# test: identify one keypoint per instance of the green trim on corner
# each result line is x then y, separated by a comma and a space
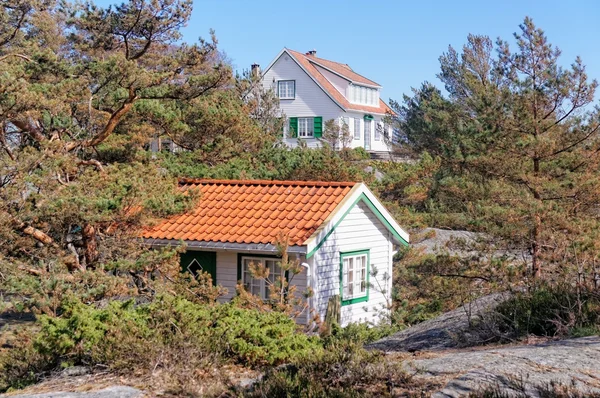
358, 299
377, 213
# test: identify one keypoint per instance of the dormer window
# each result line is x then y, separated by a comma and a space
363, 95
286, 89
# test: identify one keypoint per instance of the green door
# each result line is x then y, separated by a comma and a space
196, 262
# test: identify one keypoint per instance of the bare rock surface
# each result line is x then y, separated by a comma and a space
515, 370
462, 327
108, 392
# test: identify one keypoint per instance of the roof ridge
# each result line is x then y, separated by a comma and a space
315, 59
185, 181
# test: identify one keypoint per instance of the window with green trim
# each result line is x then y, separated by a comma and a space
354, 277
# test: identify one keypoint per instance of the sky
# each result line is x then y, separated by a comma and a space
396, 43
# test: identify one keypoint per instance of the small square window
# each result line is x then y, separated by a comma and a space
286, 89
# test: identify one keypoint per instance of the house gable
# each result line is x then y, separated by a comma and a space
360, 232
310, 91
359, 194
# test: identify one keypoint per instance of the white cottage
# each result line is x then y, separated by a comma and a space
312, 90
339, 231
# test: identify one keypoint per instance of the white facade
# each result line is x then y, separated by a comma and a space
328, 97
359, 231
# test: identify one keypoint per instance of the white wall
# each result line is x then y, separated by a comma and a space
227, 266
359, 230
310, 99
375, 145
338, 82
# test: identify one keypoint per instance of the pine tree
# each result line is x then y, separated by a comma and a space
518, 139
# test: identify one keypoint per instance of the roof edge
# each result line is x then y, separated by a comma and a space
185, 181
374, 85
358, 193
314, 79
223, 246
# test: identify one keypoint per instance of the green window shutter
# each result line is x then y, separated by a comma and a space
318, 126
294, 127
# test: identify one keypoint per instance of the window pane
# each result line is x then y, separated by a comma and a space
357, 129
285, 89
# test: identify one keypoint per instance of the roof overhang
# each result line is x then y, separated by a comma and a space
359, 193
222, 246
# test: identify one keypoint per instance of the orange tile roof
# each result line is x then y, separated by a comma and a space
305, 61
253, 211
342, 69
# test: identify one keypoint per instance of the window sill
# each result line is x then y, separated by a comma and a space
287, 98
355, 300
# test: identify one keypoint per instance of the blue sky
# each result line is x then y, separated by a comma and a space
396, 43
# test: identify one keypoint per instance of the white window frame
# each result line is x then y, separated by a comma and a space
357, 128
367, 128
377, 132
306, 127
354, 277
286, 91
256, 286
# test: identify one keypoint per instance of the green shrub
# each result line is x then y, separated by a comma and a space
358, 333
170, 334
360, 153
550, 310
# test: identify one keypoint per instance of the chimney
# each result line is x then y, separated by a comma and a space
255, 70
312, 53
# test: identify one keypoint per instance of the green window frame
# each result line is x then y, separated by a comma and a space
355, 268
306, 127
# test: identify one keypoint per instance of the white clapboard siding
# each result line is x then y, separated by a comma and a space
227, 276
310, 99
375, 145
339, 83
227, 273
359, 230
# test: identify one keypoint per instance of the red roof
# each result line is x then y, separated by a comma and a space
308, 61
253, 211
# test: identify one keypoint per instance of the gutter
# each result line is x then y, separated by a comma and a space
223, 246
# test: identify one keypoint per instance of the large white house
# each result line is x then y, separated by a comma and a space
312, 90
341, 234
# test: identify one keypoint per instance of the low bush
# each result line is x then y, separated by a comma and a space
343, 370
169, 335
358, 333
551, 310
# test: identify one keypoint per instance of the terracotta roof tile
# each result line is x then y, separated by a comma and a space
253, 211
305, 61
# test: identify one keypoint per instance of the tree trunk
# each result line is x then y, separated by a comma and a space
536, 269
90, 246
